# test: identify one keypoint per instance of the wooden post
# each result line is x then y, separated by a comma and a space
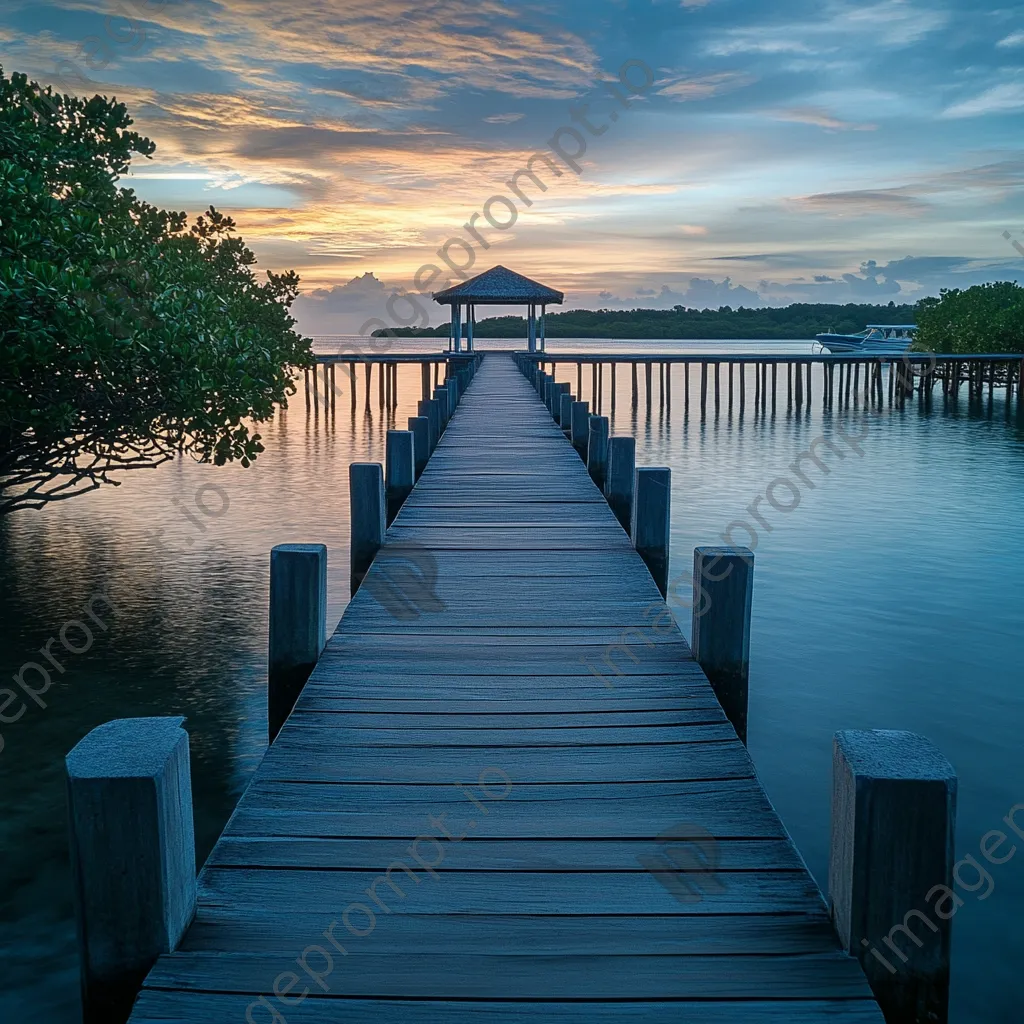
368, 517
579, 427
298, 625
618, 486
442, 396
810, 386
613, 385
686, 389
565, 412
668, 386
400, 469
579, 378
424, 380
305, 373
561, 388
775, 367
723, 589
593, 384
133, 856
419, 426
798, 372
636, 389
648, 367
743, 386
757, 386
703, 389
891, 867
352, 381
452, 385
431, 410
597, 449
717, 386
789, 385
651, 521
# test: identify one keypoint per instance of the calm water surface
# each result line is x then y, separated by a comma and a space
889, 597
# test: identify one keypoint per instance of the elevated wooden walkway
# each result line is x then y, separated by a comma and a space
477, 716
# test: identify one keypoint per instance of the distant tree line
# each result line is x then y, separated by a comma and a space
801, 320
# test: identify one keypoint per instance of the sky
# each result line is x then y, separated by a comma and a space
703, 152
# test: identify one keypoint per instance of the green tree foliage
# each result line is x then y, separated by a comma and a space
985, 318
126, 335
802, 320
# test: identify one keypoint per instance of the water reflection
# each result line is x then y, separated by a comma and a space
889, 598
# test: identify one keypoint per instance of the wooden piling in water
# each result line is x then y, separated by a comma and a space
565, 412
579, 427
420, 429
593, 384
647, 381
618, 488
613, 386
703, 390
789, 385
717, 388
668, 387
368, 517
636, 389
743, 387
400, 470
132, 845
579, 378
305, 373
723, 588
597, 449
431, 411
775, 367
799, 380
810, 386
297, 625
651, 521
729, 367
443, 398
892, 855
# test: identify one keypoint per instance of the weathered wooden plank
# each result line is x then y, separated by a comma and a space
499, 976
159, 1007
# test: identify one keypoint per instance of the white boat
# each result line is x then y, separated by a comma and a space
875, 339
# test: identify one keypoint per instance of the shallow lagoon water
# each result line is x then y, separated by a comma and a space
888, 597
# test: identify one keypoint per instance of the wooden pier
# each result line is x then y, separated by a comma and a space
510, 794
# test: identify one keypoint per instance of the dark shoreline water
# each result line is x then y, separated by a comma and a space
888, 597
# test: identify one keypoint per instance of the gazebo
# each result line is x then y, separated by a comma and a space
497, 287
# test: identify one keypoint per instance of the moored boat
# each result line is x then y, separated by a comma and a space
875, 339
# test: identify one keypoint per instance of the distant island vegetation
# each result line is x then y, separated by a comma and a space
801, 320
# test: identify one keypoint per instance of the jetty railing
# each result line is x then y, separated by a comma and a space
723, 377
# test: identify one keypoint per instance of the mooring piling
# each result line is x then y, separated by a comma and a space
297, 627
133, 861
891, 867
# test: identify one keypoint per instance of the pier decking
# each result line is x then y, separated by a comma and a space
536, 715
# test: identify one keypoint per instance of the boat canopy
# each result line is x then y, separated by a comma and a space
892, 327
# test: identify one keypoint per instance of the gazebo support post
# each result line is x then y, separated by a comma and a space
543, 335
470, 324
457, 326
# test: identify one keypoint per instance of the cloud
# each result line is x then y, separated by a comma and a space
821, 118
693, 229
859, 202
838, 27
504, 118
701, 87
1005, 98
1012, 40
342, 309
